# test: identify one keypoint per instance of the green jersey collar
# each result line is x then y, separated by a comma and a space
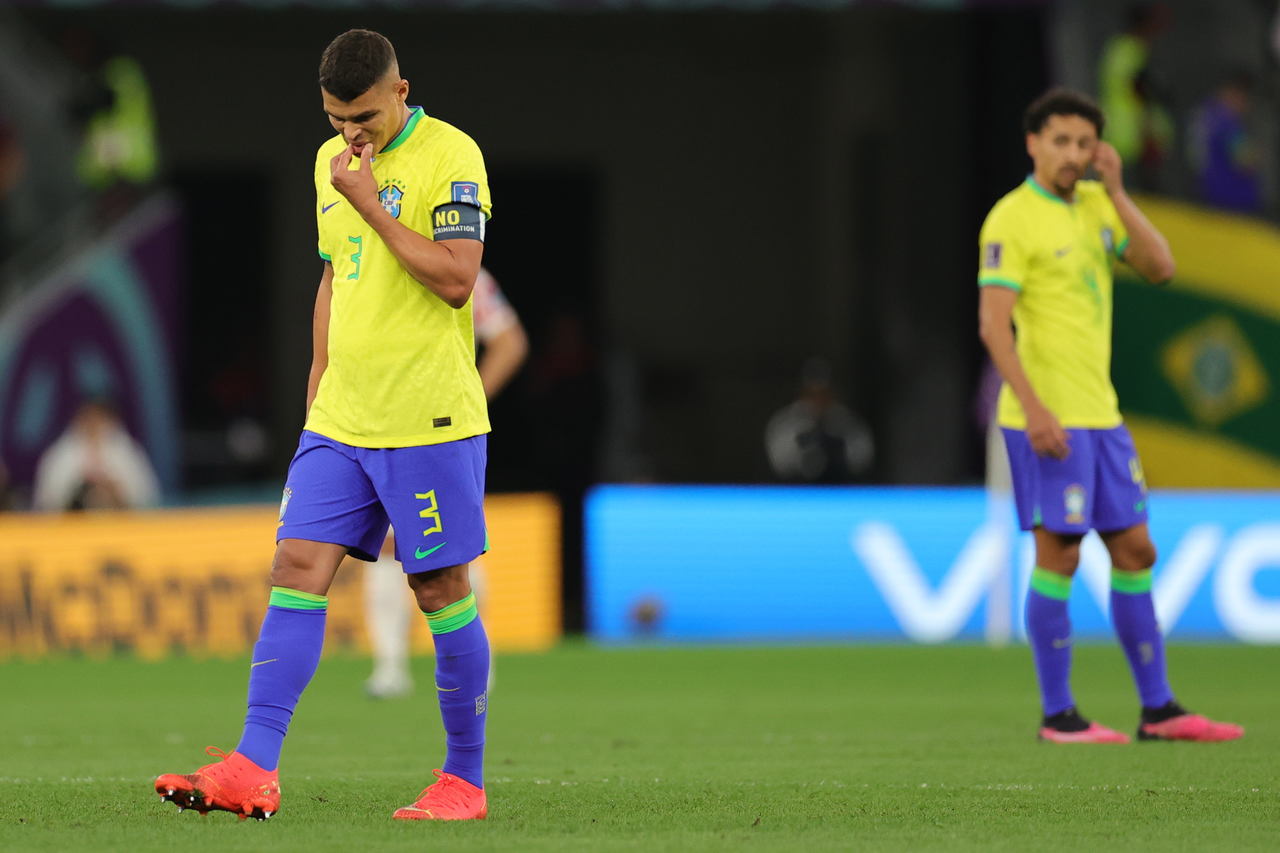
1035, 185
415, 116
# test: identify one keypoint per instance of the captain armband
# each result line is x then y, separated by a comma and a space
457, 221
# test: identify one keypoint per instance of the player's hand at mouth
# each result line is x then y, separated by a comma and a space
356, 185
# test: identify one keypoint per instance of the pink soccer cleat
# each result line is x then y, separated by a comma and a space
1069, 727
1192, 727
1095, 733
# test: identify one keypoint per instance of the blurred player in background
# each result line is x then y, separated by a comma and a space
395, 432
505, 347
1046, 254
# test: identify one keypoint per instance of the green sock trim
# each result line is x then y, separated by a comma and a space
460, 614
1131, 583
1051, 584
282, 596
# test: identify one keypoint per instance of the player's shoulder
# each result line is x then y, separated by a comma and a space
1093, 193
328, 150
1011, 209
440, 135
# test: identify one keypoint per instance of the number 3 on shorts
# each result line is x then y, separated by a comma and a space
432, 512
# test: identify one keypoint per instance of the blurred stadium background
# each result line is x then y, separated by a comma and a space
709, 216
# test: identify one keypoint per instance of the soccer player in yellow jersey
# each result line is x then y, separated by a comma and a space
395, 432
1045, 268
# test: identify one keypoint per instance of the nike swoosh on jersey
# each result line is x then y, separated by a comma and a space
1057, 253
419, 553
325, 208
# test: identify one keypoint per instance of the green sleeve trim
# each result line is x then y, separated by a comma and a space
1132, 583
457, 615
1051, 584
296, 599
327, 258
1124, 244
991, 281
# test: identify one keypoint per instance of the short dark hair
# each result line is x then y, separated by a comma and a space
353, 62
1061, 101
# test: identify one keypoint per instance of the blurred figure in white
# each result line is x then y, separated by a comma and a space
389, 606
95, 464
817, 438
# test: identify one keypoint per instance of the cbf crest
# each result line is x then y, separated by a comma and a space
1073, 500
390, 198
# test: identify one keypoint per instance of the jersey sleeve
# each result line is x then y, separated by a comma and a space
1119, 237
459, 197
325, 254
1002, 259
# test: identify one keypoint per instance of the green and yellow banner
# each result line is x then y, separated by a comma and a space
1197, 362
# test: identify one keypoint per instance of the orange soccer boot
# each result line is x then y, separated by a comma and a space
233, 783
451, 798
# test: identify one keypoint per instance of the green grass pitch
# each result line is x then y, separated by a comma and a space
688, 749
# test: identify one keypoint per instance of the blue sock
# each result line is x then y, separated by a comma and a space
284, 659
1049, 630
462, 676
1134, 616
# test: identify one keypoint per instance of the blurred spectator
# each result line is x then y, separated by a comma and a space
1139, 127
1223, 150
95, 464
816, 438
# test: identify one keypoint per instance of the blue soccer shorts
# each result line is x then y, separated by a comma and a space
1099, 486
432, 495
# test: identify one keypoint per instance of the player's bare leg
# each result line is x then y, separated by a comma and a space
285, 657
1133, 614
462, 662
1049, 632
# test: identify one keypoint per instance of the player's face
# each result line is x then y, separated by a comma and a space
373, 118
1062, 151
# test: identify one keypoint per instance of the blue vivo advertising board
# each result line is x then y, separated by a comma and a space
926, 565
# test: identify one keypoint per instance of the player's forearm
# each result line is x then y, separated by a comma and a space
434, 265
1148, 251
502, 358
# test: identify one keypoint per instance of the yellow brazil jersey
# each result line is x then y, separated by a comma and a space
1057, 255
402, 366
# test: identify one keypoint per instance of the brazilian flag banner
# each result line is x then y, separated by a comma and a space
1196, 363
